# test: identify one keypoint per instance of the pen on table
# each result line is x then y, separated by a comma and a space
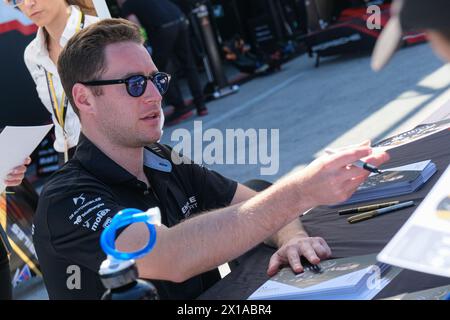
367, 208
315, 268
360, 164
378, 212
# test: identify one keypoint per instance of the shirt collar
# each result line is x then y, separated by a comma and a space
72, 26
107, 170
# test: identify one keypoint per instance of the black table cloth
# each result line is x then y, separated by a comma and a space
346, 240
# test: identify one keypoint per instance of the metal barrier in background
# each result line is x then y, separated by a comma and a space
213, 62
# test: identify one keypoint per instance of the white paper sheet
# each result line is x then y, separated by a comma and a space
16, 144
423, 243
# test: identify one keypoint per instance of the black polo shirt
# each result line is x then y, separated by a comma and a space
81, 198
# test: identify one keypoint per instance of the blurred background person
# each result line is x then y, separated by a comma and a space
58, 21
433, 16
168, 34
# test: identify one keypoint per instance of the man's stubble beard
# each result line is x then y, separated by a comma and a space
129, 138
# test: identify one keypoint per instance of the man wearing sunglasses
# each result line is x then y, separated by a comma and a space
116, 89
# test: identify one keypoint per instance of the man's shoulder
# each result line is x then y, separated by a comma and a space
72, 199
70, 179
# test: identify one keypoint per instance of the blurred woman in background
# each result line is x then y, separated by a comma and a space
58, 21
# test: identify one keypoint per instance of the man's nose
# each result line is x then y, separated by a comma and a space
29, 3
152, 94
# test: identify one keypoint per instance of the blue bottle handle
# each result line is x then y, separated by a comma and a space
124, 218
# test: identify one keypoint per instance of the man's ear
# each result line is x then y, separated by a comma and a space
83, 98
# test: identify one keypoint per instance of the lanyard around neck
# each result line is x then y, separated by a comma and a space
60, 108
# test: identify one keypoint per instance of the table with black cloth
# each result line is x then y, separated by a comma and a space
346, 240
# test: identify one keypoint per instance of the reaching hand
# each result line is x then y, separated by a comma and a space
332, 179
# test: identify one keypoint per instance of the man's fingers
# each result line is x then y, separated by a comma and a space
321, 252
377, 159
274, 265
366, 143
308, 252
345, 158
27, 161
294, 259
325, 245
350, 186
353, 172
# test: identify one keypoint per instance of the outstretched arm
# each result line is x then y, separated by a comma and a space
209, 240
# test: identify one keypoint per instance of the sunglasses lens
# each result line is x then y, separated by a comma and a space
15, 3
161, 82
136, 86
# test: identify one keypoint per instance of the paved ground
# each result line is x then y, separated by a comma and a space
343, 102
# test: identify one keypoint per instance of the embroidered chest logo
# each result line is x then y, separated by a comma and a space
190, 205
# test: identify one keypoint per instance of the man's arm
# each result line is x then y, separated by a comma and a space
209, 240
292, 241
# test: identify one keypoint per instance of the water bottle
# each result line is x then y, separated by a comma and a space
119, 273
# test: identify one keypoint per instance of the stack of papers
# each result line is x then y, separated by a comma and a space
394, 182
423, 243
355, 278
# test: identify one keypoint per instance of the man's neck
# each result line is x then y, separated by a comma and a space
131, 159
56, 28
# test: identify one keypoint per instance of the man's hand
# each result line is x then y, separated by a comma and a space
332, 179
314, 249
15, 177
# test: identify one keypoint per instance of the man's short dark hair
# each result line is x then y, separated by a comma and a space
83, 58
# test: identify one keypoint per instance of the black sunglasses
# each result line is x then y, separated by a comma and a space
137, 84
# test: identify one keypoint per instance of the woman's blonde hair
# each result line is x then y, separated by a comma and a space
85, 5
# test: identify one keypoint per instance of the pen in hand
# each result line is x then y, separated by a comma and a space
360, 164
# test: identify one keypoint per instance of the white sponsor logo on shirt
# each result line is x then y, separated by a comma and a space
99, 218
189, 206
81, 198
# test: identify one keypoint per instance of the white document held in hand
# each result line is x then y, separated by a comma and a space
16, 144
423, 243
